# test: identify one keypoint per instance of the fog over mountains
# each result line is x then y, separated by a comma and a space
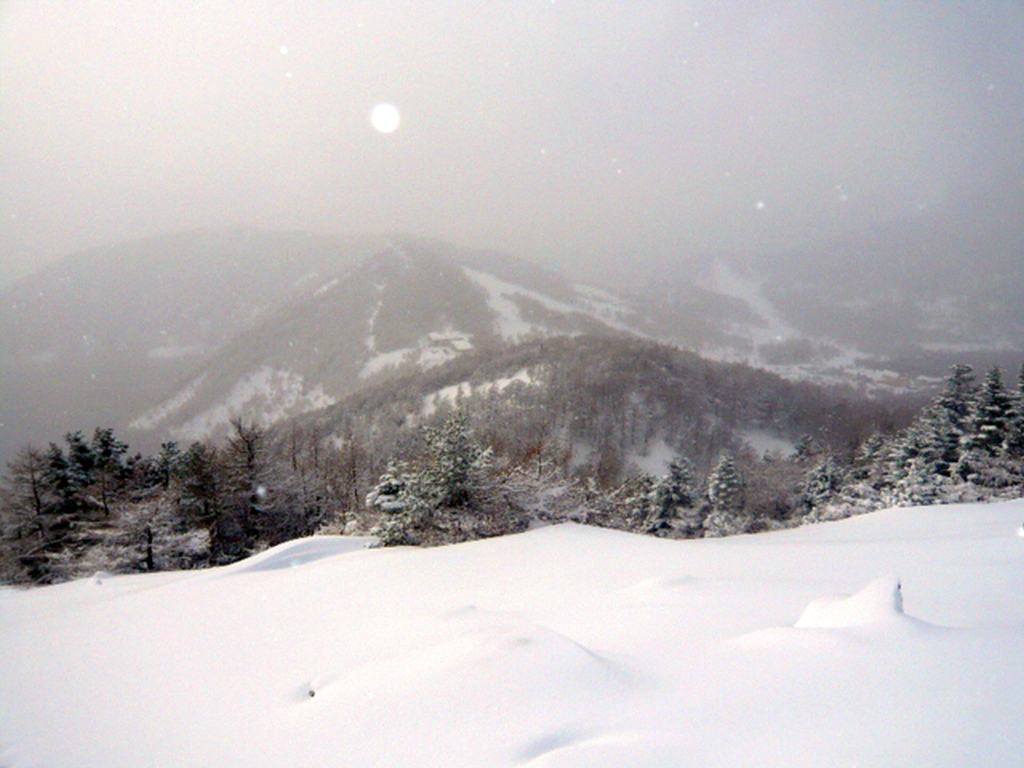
626, 289
172, 336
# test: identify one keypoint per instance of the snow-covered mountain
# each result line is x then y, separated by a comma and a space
883, 308
103, 335
172, 336
892, 639
410, 306
614, 403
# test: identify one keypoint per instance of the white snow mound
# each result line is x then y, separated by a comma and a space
879, 601
301, 551
562, 647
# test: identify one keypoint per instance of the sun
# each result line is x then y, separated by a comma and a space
385, 118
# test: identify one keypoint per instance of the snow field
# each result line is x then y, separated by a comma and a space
451, 394
892, 639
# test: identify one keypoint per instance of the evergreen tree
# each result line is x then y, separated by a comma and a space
867, 459
168, 464
917, 484
672, 501
637, 494
81, 460
955, 408
1015, 430
923, 458
727, 494
957, 398
821, 486
108, 470
403, 513
916, 462
990, 425
77, 488
456, 472
806, 448
65, 476
451, 497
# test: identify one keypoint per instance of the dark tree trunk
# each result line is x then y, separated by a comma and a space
150, 566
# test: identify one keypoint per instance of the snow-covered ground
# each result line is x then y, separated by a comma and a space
170, 407
564, 646
511, 325
451, 394
433, 349
267, 395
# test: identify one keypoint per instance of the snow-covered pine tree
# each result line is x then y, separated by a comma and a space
727, 494
992, 416
821, 486
866, 466
673, 501
956, 405
403, 513
74, 518
168, 463
457, 470
958, 395
917, 484
65, 475
1015, 430
806, 448
108, 468
921, 462
451, 497
987, 459
915, 465
863, 482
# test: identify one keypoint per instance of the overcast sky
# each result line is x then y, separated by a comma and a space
566, 131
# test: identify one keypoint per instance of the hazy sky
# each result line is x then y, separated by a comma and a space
566, 131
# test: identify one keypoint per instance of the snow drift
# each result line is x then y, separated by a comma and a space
561, 647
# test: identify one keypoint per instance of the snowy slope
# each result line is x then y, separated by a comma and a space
405, 307
564, 646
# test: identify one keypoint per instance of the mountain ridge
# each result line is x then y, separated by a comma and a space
175, 335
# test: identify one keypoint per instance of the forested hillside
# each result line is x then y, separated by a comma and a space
614, 432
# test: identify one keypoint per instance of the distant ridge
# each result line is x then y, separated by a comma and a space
171, 336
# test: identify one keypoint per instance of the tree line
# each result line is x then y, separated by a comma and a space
89, 505
490, 463
967, 445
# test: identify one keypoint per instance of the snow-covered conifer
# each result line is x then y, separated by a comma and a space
917, 484
821, 486
457, 470
450, 497
1015, 429
958, 396
992, 417
727, 493
403, 513
672, 501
